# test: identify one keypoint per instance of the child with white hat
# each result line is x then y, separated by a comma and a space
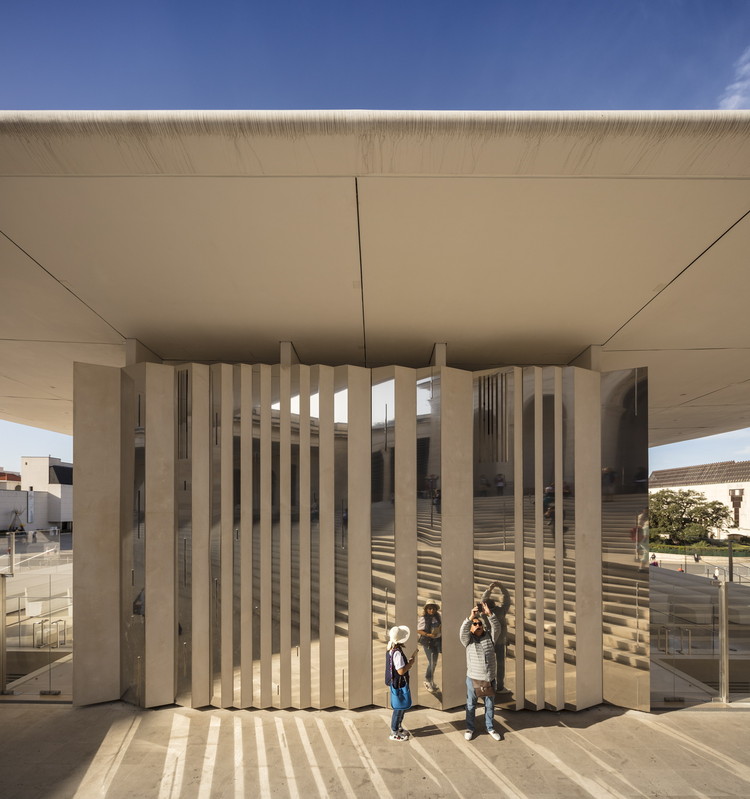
397, 673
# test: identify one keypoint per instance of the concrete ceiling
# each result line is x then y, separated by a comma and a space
365, 237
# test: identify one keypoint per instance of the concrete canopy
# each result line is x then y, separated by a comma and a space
615, 239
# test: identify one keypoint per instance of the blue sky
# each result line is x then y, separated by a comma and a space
394, 54
487, 54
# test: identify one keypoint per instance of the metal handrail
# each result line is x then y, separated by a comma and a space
57, 623
39, 624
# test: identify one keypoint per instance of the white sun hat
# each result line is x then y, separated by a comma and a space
398, 635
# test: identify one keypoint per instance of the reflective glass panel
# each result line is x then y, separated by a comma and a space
383, 550
494, 539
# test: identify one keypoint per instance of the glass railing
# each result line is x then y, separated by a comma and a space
738, 600
37, 635
700, 638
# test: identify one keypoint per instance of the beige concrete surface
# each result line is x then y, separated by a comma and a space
396, 229
116, 750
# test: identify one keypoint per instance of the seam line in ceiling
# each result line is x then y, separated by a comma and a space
345, 175
60, 283
60, 341
361, 270
677, 276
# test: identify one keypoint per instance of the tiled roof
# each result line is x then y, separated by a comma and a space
705, 474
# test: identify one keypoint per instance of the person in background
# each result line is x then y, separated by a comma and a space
429, 628
642, 538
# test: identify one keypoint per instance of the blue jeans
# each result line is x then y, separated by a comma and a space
397, 719
471, 708
431, 656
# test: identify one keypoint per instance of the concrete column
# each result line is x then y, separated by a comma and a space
200, 450
456, 447
136, 352
590, 358
96, 509
245, 378
160, 645
287, 354
439, 354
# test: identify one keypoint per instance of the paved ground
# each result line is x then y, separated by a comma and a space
116, 750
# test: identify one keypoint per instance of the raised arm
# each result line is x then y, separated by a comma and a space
495, 627
465, 632
486, 595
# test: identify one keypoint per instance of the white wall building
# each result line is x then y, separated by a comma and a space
727, 482
45, 498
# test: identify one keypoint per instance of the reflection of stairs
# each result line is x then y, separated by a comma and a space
625, 614
625, 609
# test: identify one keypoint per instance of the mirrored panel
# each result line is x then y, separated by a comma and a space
236, 536
625, 585
215, 533
532, 570
134, 542
494, 539
256, 534
274, 617
315, 536
565, 532
429, 536
184, 522
341, 535
383, 531
295, 566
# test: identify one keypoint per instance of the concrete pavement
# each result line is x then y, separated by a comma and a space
116, 750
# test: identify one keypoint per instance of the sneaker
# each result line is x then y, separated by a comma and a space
434, 688
468, 735
402, 731
496, 735
397, 736
428, 685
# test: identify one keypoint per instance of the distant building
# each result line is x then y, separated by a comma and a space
9, 481
43, 495
727, 482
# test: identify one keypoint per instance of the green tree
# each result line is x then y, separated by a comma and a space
686, 516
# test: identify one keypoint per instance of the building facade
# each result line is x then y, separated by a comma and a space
42, 497
727, 482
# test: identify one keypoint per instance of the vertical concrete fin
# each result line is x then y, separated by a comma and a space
457, 518
136, 352
160, 537
96, 509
